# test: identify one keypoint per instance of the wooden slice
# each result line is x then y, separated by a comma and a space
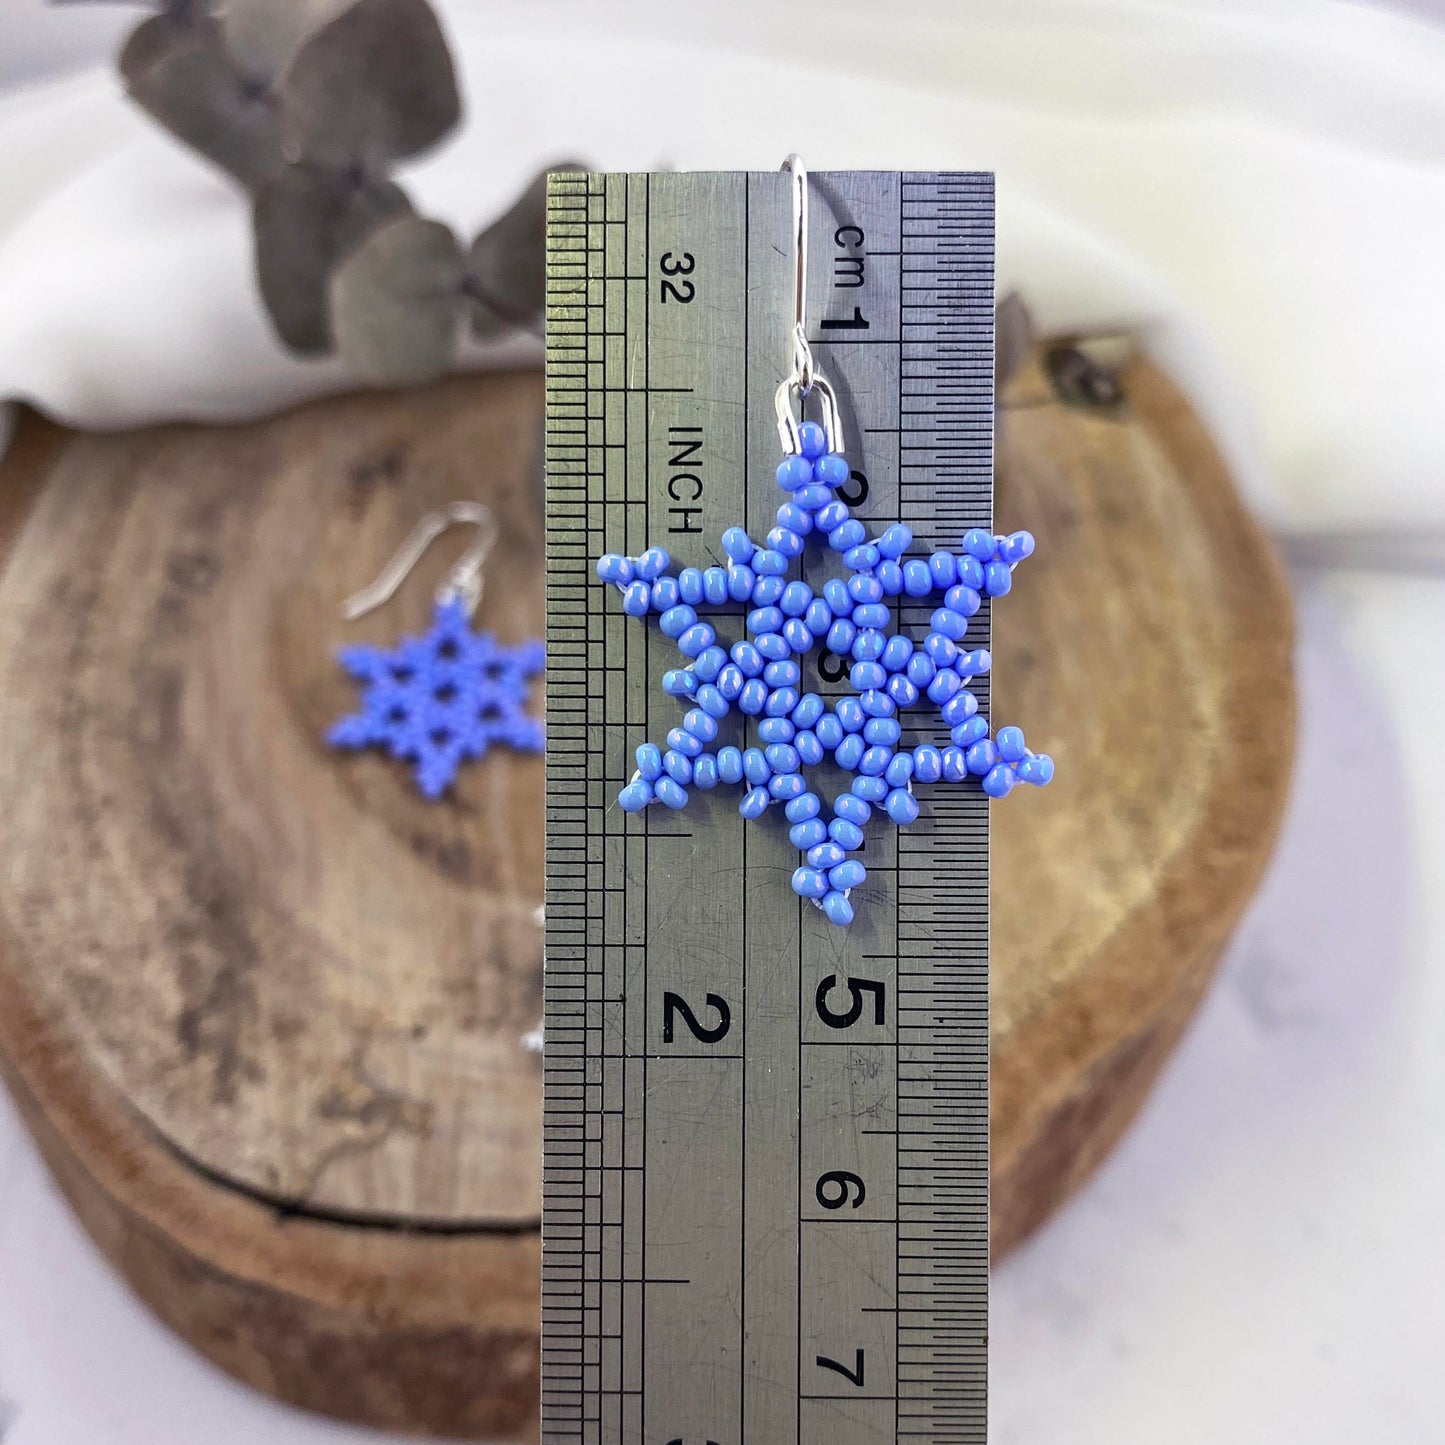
263, 1007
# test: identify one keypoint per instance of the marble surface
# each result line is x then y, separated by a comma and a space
1262, 1258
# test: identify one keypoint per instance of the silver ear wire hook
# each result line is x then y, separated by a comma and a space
463, 582
805, 378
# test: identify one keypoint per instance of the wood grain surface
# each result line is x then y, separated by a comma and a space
262, 1006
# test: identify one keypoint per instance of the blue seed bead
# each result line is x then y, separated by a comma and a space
850, 714
1037, 769
877, 704
834, 514
871, 790
665, 593
955, 765
902, 807
883, 731
812, 440
868, 646
781, 701
850, 534
867, 675
730, 682
903, 692
837, 909
679, 682
709, 662
895, 541
679, 740
786, 786
849, 752
741, 581
899, 771
768, 590
840, 637
652, 564
962, 599
832, 470
874, 761
748, 658
811, 498
769, 563
795, 518
755, 803
997, 580
677, 766
829, 730
689, 585
1016, 547
794, 472
755, 766
797, 635
848, 874
862, 558
941, 649
676, 620
809, 883
897, 652
803, 807
967, 733
971, 664
960, 707
711, 701
714, 586
775, 730
701, 724
980, 544
637, 599
945, 683
890, 577
765, 619
871, 614
698, 638
825, 855
927, 763
753, 697
615, 568
809, 709
852, 808
917, 579
704, 772
818, 617
786, 673
943, 569
738, 545
999, 782
1011, 747
786, 541
970, 573
835, 594
808, 834
982, 757
635, 796
795, 599
730, 764
670, 792
773, 646
863, 588
649, 761
810, 750
845, 834
921, 669
948, 622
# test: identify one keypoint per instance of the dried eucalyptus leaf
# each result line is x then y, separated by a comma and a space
374, 85
305, 220
507, 274
396, 301
177, 69
264, 36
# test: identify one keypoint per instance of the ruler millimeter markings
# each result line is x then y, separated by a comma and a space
765, 1211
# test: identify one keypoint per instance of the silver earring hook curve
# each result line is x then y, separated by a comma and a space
463, 583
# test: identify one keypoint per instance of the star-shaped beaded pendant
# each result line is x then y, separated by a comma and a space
443, 699
786, 732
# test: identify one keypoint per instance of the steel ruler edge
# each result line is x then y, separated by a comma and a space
759, 1225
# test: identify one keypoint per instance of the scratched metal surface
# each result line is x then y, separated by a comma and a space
768, 1227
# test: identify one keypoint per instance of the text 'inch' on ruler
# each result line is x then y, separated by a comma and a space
765, 1216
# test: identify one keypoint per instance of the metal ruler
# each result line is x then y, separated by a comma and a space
765, 1215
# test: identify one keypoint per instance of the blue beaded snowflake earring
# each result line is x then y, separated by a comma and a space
443, 699
785, 732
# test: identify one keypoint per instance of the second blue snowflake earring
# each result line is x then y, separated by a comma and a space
447, 697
